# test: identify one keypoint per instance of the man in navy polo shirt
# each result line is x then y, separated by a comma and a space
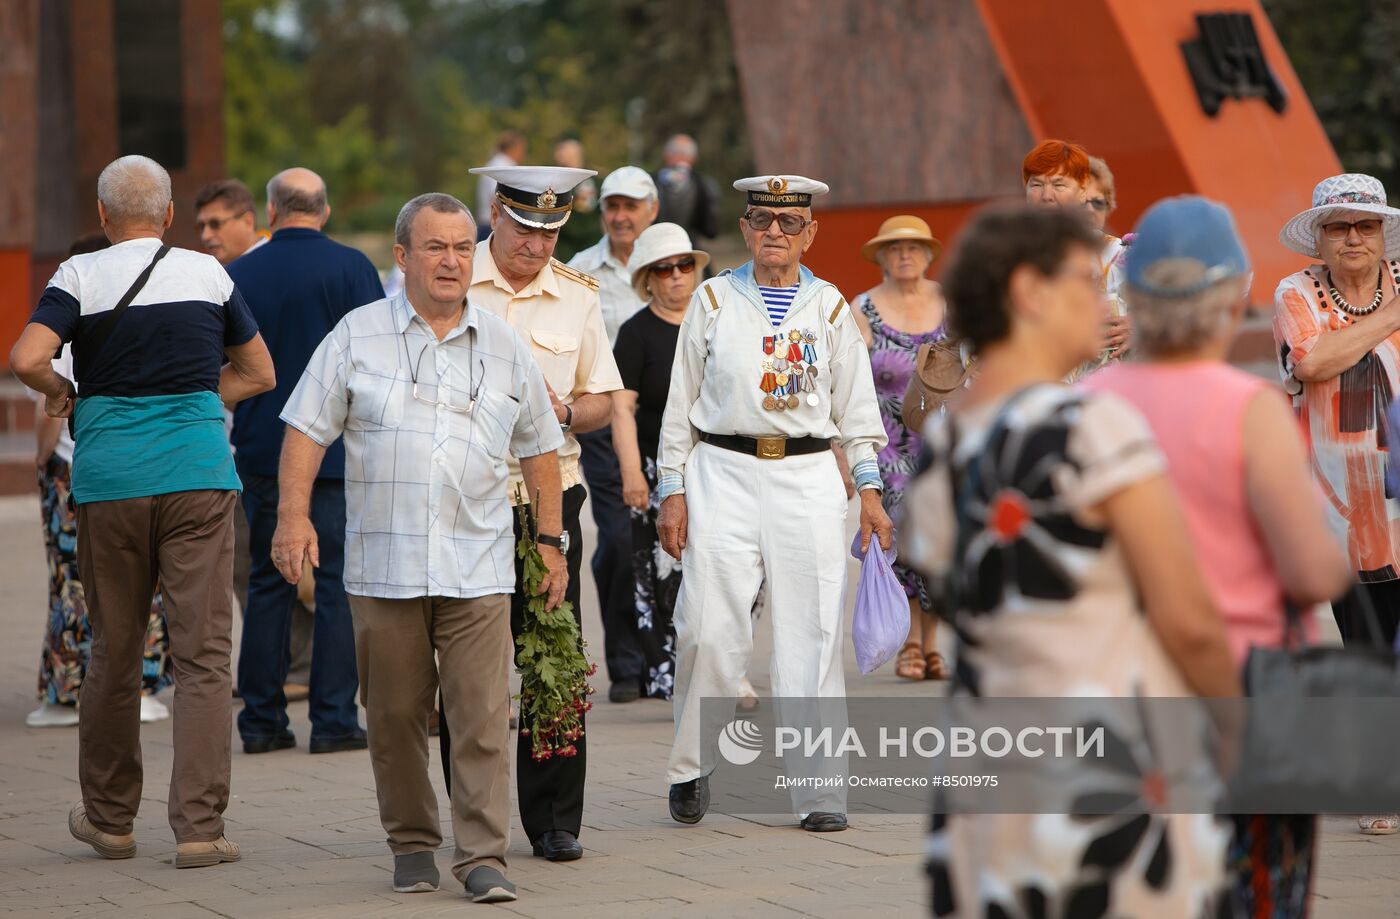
298, 286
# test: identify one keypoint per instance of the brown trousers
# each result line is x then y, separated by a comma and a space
395, 641
186, 539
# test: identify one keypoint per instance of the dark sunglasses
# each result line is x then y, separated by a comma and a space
790, 224
665, 269
214, 223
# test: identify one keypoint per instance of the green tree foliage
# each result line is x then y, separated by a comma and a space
1344, 54
389, 98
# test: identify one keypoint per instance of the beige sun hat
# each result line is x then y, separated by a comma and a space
897, 229
657, 242
1339, 196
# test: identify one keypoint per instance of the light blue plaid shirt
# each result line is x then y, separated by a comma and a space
425, 482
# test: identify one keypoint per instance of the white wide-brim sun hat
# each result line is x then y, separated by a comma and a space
661, 241
1338, 197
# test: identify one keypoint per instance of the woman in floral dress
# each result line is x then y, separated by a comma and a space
1048, 524
903, 312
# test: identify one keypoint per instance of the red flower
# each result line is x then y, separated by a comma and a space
1008, 515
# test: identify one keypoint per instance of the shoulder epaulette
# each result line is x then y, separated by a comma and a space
710, 292
573, 274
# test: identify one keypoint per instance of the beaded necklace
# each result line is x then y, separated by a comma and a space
1346, 307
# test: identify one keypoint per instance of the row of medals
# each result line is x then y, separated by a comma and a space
789, 367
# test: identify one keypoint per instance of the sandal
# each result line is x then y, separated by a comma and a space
935, 667
1380, 826
910, 663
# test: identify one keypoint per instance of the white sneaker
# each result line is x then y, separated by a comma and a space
152, 709
52, 715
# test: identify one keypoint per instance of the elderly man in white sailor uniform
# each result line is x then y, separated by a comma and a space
769, 369
555, 309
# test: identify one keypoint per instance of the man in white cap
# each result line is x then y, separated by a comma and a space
769, 369
555, 310
629, 207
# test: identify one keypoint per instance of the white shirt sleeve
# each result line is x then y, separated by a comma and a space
854, 410
319, 405
536, 427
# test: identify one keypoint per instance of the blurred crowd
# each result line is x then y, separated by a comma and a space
270, 438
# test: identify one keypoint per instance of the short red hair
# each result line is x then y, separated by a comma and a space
1056, 157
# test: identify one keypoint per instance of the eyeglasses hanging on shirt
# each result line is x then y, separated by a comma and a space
472, 386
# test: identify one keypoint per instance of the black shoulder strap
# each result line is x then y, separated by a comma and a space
92, 342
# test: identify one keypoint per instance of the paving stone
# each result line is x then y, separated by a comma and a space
313, 845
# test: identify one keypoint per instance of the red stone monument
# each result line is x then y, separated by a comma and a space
81, 83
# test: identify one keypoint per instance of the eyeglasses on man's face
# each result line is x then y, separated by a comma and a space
217, 223
1341, 229
666, 269
790, 224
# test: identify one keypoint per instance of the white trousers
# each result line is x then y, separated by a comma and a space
753, 521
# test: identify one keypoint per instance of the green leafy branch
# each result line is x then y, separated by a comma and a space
549, 656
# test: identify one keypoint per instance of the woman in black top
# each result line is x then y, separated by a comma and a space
663, 267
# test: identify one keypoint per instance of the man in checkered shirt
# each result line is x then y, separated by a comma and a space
431, 392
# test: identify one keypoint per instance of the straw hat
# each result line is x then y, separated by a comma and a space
900, 228
657, 242
1342, 196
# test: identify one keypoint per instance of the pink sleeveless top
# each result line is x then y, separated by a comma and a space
1196, 410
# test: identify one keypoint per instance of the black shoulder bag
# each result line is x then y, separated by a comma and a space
92, 343
1317, 737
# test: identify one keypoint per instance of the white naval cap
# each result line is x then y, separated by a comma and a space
781, 191
537, 196
628, 182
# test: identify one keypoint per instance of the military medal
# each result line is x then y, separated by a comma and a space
780, 404
768, 344
812, 399
768, 383
792, 402
809, 350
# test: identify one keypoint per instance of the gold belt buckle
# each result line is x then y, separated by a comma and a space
772, 447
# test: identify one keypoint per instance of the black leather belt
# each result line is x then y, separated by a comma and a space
767, 447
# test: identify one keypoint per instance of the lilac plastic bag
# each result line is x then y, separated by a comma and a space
881, 620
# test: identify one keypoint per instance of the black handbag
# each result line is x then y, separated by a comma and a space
92, 343
1319, 733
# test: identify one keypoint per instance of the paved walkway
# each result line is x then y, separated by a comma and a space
313, 845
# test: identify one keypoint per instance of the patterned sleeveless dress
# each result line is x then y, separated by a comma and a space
892, 355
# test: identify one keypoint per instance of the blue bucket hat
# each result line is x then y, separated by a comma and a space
1189, 228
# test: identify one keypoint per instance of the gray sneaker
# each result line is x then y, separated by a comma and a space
487, 885
415, 872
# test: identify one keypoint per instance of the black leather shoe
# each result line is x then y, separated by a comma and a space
624, 691
558, 846
824, 822
284, 741
355, 741
690, 800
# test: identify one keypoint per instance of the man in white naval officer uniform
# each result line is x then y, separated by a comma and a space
770, 367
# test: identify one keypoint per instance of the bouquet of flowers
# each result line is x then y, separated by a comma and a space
554, 673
